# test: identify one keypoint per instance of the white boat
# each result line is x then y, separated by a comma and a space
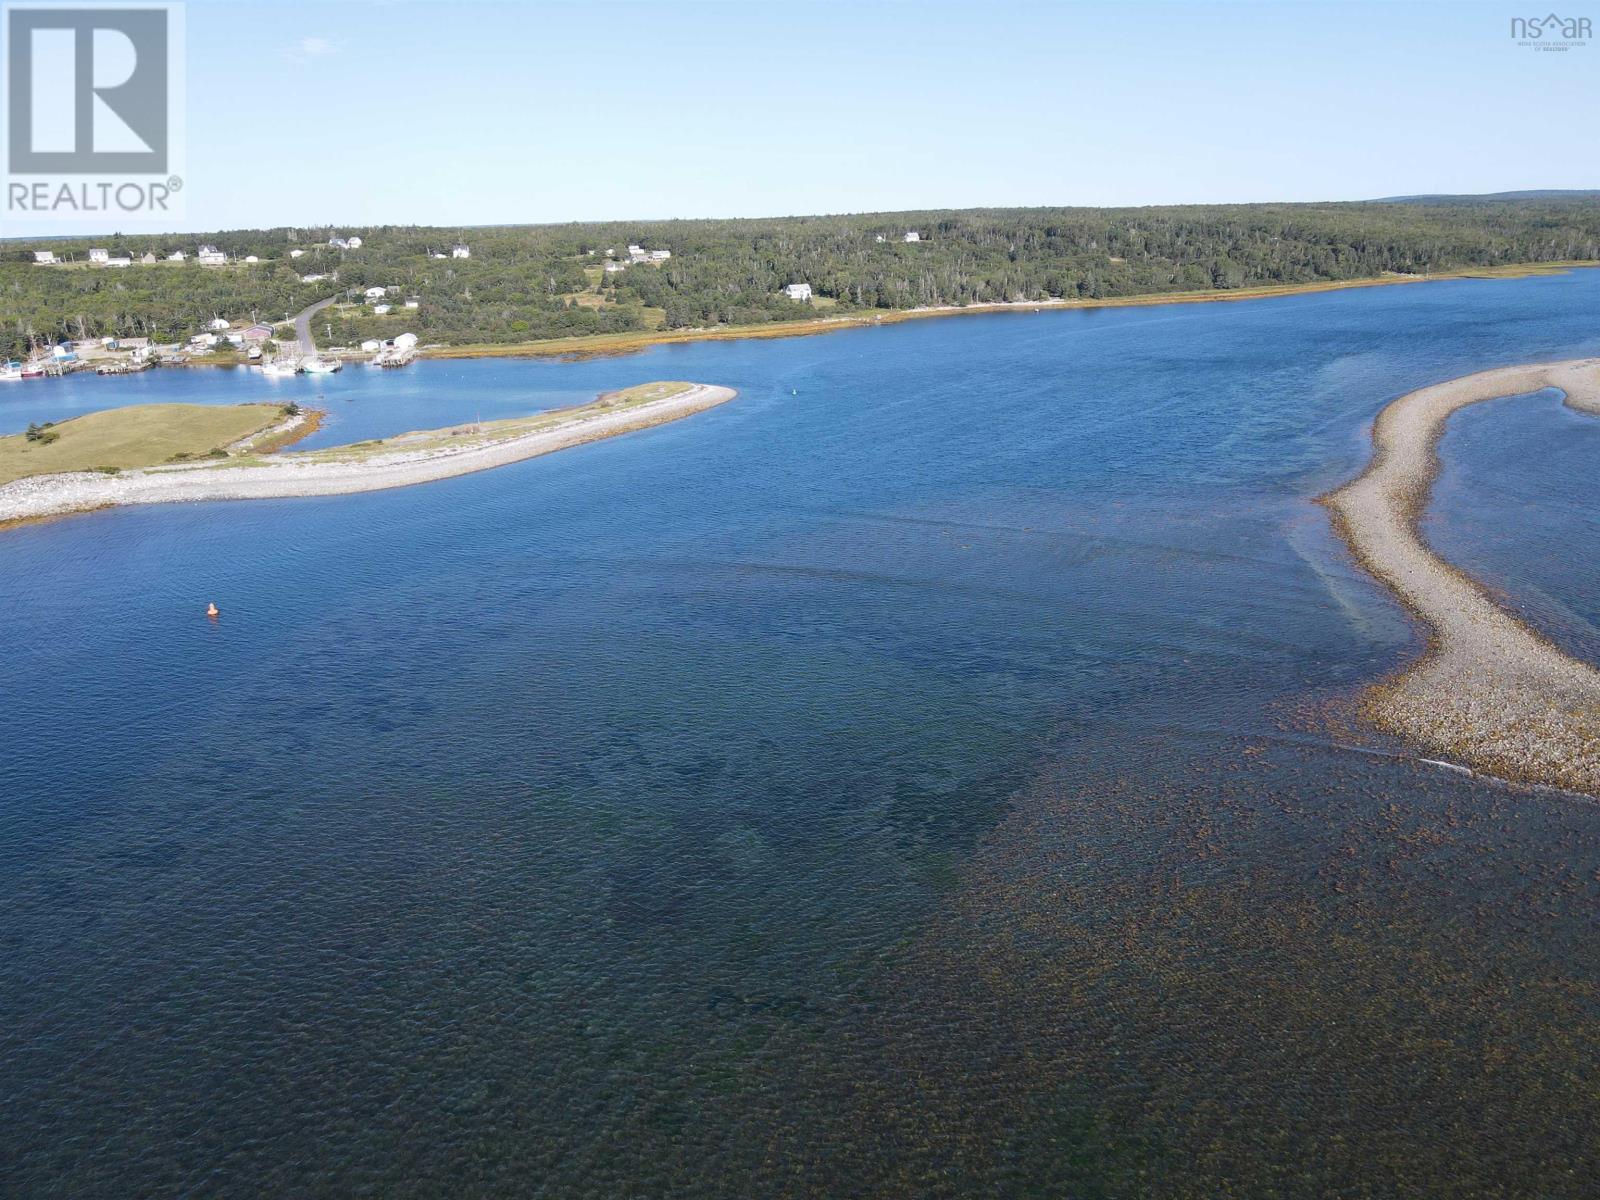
321, 366
280, 367
10, 371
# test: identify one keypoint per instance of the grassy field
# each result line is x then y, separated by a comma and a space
624, 343
465, 437
143, 435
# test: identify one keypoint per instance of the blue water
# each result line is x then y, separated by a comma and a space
926, 774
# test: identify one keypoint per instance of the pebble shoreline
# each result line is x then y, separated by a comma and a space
303, 475
1488, 691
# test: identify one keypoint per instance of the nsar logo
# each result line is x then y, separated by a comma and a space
1551, 32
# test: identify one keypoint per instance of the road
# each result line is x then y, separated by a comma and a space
302, 326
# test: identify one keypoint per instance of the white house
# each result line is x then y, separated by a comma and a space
371, 345
251, 258
203, 339
99, 256
413, 302
377, 293
296, 253
217, 323
353, 243
405, 341
660, 255
382, 309
147, 258
177, 256
913, 236
122, 260
339, 243
210, 256
613, 266
636, 253
460, 250
44, 256
798, 291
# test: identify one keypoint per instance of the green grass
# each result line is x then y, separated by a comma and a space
143, 435
464, 437
642, 393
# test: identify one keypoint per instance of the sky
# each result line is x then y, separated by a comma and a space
364, 112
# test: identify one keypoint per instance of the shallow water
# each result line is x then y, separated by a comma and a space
910, 778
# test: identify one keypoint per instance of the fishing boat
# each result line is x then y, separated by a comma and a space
10, 371
280, 367
321, 366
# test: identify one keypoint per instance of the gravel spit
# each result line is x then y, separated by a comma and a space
1489, 691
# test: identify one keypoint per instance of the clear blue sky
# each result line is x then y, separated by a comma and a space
465, 113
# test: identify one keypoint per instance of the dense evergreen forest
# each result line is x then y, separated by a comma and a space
548, 281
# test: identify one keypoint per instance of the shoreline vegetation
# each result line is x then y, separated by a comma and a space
629, 343
1488, 690
606, 286
257, 473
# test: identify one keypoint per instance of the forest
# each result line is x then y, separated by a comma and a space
530, 282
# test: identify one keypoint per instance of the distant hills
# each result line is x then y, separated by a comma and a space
1549, 194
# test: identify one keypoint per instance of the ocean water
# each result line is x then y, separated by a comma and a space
932, 773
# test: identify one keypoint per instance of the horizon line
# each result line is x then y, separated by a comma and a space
1411, 198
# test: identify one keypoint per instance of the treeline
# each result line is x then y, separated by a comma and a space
528, 282
40, 306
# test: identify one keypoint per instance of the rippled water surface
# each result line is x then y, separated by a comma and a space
928, 774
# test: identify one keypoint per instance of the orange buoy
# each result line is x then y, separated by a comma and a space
211, 610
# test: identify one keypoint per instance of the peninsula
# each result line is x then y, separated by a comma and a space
1489, 691
250, 473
